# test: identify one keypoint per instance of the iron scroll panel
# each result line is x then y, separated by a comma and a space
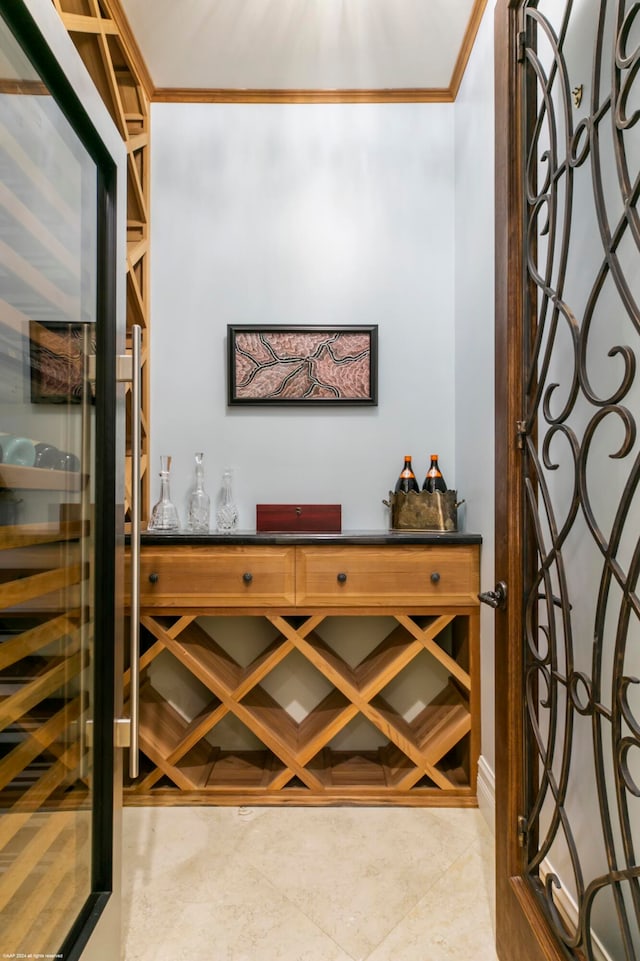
581, 467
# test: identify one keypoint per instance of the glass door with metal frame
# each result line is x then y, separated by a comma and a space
59, 618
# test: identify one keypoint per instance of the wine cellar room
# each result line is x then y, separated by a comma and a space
329, 213
257, 701
342, 669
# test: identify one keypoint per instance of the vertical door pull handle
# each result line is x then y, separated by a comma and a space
135, 374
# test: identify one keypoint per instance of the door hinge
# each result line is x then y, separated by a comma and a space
521, 43
521, 432
523, 831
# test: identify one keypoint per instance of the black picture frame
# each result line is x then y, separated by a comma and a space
302, 365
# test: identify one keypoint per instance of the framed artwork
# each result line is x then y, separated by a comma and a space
56, 358
305, 365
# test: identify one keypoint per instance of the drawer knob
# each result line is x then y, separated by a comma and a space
247, 577
342, 578
154, 578
435, 577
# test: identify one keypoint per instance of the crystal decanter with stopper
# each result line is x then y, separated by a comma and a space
227, 513
164, 516
199, 501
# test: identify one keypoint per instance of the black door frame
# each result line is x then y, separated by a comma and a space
107, 603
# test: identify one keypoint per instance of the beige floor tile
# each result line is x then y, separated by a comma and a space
237, 916
306, 884
453, 922
469, 821
354, 872
163, 846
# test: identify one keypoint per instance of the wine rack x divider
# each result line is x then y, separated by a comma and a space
428, 759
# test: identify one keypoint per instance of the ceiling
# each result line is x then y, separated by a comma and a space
303, 44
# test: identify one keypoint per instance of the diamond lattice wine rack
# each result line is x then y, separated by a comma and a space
309, 672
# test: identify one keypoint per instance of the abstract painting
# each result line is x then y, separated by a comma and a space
302, 365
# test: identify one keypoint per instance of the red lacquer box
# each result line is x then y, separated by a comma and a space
301, 518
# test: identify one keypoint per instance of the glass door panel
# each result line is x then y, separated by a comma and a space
582, 473
50, 188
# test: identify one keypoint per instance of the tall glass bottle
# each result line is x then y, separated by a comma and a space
407, 480
199, 501
434, 481
227, 513
164, 516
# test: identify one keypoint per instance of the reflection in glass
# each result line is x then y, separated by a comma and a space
48, 191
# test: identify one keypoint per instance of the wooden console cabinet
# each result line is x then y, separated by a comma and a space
423, 587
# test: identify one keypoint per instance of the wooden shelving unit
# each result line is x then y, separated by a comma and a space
39, 479
429, 599
104, 40
44, 793
48, 253
45, 798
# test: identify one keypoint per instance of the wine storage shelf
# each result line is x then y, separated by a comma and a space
44, 790
425, 599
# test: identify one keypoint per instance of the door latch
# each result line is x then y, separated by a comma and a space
497, 598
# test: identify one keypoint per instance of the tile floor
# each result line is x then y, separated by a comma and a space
308, 884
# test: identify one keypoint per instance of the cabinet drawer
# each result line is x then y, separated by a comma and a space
204, 577
334, 576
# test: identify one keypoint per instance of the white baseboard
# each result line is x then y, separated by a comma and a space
565, 904
487, 793
568, 911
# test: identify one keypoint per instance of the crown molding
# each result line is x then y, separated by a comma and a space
255, 95
466, 47
259, 95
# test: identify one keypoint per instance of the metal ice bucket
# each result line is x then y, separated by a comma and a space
423, 511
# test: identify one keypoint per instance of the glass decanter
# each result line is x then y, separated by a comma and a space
199, 501
164, 516
227, 513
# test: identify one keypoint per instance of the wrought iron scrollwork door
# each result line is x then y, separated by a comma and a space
581, 467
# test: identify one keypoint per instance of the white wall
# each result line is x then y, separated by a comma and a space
329, 214
299, 214
474, 330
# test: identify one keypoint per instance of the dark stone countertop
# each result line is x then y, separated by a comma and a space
248, 537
